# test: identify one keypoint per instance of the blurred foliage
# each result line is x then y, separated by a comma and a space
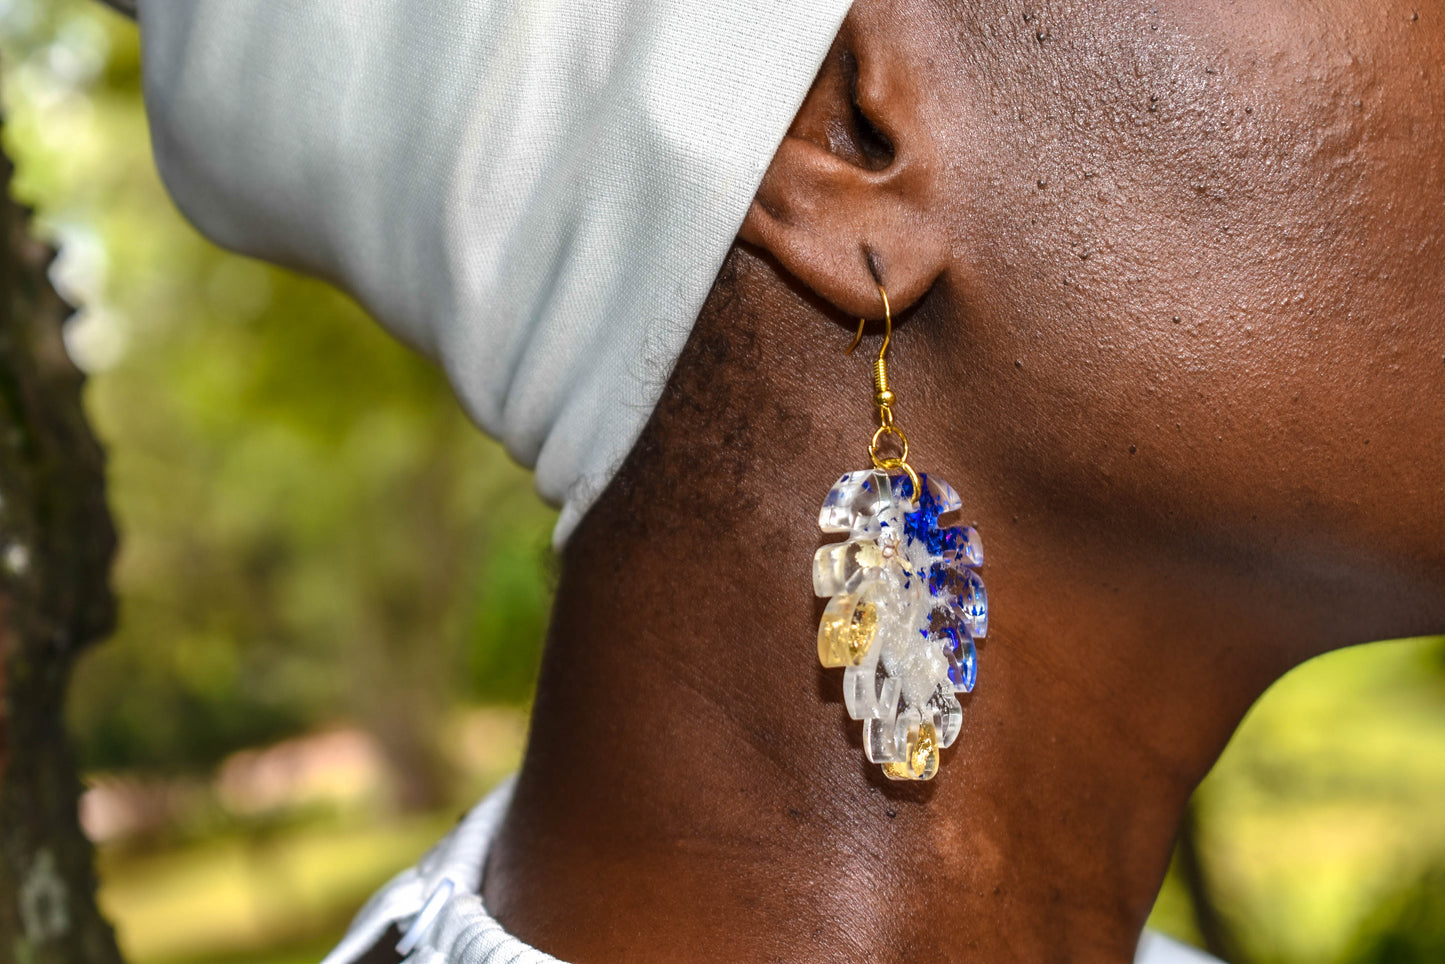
1322, 826
313, 533
311, 529
1409, 926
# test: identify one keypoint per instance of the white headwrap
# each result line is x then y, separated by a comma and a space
537, 193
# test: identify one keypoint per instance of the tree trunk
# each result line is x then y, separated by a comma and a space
56, 543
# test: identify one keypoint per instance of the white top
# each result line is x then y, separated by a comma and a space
438, 907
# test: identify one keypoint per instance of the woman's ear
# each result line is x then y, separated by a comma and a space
847, 202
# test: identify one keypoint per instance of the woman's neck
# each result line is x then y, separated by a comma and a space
694, 790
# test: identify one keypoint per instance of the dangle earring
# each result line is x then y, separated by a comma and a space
906, 604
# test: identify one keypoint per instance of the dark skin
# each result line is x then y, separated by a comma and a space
1169, 288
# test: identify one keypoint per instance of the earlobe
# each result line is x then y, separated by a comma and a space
847, 202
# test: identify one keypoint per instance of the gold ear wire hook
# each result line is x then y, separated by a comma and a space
887, 331
882, 394
883, 397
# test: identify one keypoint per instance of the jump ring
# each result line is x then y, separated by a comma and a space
896, 432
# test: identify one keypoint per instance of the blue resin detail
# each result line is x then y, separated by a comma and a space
949, 630
960, 543
962, 589
962, 664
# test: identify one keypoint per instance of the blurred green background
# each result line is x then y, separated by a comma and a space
316, 544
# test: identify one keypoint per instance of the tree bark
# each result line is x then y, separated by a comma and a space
56, 544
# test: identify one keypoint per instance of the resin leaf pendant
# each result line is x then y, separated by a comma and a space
904, 608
